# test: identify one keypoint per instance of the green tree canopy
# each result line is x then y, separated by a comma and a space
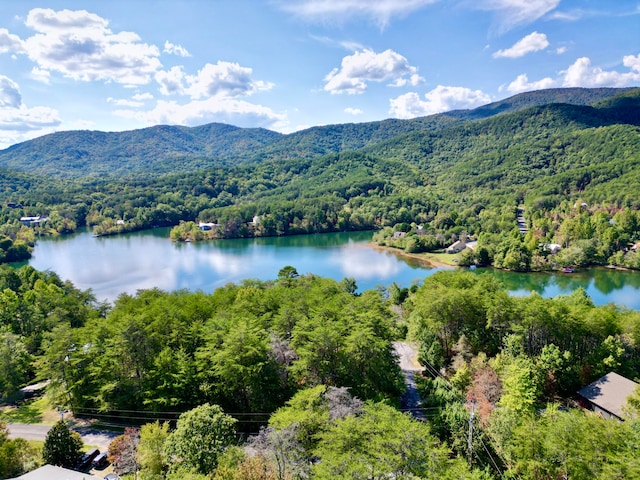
201, 435
62, 447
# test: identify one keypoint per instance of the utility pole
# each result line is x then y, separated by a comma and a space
470, 437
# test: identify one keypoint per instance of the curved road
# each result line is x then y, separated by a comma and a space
408, 359
37, 431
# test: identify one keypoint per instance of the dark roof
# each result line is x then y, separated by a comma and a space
609, 392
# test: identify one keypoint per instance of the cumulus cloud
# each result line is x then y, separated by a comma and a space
380, 11
212, 109
40, 75
9, 93
353, 111
583, 74
367, 66
440, 99
79, 45
522, 84
171, 81
19, 122
533, 42
224, 79
175, 49
511, 13
10, 43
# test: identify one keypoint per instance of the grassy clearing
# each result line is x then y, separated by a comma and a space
32, 411
442, 258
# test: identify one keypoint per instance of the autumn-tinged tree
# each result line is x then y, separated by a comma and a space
122, 452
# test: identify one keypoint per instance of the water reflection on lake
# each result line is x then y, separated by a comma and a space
603, 285
126, 263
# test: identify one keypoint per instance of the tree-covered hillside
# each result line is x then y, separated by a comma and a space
463, 179
162, 149
154, 150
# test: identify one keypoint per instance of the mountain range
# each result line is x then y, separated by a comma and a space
163, 149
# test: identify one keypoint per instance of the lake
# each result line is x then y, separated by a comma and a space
126, 263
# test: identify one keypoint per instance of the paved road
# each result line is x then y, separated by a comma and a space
96, 438
408, 359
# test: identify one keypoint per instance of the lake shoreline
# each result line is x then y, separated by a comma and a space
423, 258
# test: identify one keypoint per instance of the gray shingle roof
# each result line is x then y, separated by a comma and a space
609, 392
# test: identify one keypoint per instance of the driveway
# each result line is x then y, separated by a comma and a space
408, 360
37, 431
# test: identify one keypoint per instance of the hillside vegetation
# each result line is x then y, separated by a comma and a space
463, 173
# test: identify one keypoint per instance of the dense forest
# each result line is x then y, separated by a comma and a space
460, 174
303, 369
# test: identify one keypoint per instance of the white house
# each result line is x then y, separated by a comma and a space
457, 247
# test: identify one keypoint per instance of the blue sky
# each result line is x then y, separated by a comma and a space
290, 64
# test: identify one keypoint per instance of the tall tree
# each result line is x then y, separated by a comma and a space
380, 443
151, 450
201, 435
62, 447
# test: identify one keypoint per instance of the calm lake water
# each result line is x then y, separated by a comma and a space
112, 265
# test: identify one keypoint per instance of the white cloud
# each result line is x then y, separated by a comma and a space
171, 82
123, 102
212, 109
522, 84
511, 13
632, 61
583, 74
175, 49
561, 50
139, 97
353, 111
533, 42
380, 11
367, 66
17, 121
224, 79
40, 75
440, 99
9, 93
10, 43
79, 45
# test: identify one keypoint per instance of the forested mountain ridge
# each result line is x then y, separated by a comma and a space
162, 149
465, 179
159, 149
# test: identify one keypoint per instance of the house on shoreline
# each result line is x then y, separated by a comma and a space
33, 221
457, 246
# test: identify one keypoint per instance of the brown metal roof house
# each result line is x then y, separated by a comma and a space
608, 395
